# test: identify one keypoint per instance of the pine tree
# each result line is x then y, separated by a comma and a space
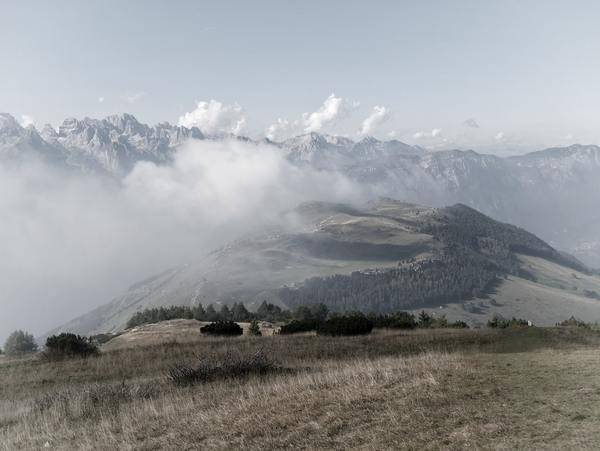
211, 314
240, 313
20, 342
225, 313
199, 312
254, 328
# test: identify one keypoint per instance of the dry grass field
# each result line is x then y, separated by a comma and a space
532, 388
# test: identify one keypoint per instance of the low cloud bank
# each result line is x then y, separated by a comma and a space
71, 242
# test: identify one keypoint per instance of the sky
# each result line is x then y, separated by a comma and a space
525, 72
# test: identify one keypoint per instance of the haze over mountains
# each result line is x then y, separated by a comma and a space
96, 205
535, 191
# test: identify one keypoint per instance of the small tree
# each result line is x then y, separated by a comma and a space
240, 312
198, 312
425, 319
20, 342
225, 313
254, 328
68, 345
211, 314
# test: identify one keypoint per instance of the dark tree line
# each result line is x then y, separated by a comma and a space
453, 275
236, 312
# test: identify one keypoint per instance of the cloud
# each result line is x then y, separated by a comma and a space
27, 120
214, 117
471, 123
428, 135
72, 242
333, 109
500, 137
280, 130
100, 99
135, 97
379, 115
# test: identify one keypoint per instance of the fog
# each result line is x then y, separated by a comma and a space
70, 242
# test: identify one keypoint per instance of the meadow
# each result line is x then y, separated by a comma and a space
525, 388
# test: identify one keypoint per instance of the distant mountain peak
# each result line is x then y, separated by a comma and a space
8, 124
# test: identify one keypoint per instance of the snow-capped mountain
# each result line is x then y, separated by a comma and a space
552, 192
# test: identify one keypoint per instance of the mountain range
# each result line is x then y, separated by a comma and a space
552, 192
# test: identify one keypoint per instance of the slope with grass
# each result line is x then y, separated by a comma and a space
382, 257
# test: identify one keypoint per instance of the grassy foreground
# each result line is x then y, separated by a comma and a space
528, 389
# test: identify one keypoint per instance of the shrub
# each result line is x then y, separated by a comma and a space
439, 323
67, 345
94, 400
398, 320
352, 324
498, 322
230, 366
573, 322
458, 325
299, 325
20, 342
222, 328
254, 328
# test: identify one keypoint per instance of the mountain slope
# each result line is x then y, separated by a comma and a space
385, 256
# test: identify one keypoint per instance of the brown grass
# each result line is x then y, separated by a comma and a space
424, 389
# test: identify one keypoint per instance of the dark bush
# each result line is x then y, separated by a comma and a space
458, 325
352, 324
398, 320
222, 328
299, 325
498, 322
230, 366
68, 345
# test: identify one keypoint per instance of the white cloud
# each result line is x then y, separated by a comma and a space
500, 137
27, 120
332, 109
214, 117
100, 99
280, 129
135, 97
379, 115
436, 132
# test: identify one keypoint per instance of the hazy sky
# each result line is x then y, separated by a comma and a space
527, 72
